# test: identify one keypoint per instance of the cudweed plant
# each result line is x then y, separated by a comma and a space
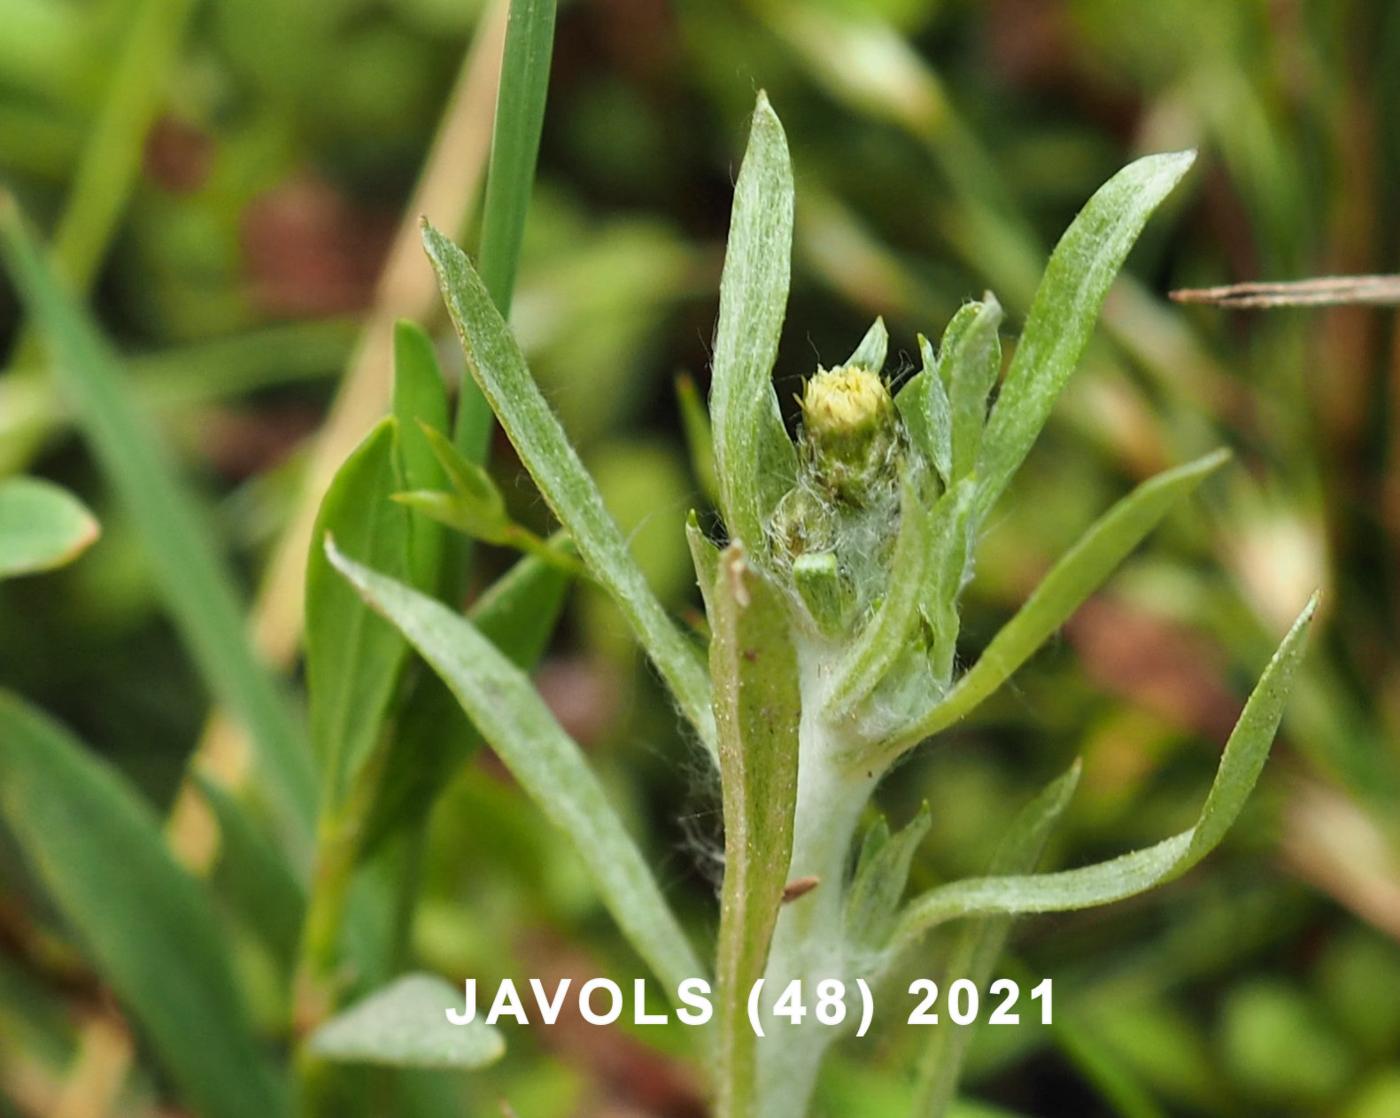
832, 603
833, 623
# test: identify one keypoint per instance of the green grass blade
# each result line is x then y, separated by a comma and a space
195, 582
506, 708
754, 457
405, 1025
144, 922
510, 178
1079, 572
979, 943
1066, 305
1129, 874
498, 365
515, 143
757, 709
42, 526
353, 657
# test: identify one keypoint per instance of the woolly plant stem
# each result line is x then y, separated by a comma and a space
809, 943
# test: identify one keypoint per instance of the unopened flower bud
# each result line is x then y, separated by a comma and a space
850, 428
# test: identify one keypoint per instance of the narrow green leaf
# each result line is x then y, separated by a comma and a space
420, 401
1064, 310
979, 943
870, 354
927, 414
757, 709
969, 362
405, 1025
506, 708
517, 614
1079, 572
754, 456
194, 580
145, 924
510, 178
353, 657
42, 526
699, 439
1125, 876
879, 881
496, 362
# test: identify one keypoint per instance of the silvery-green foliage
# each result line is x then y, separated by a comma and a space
833, 609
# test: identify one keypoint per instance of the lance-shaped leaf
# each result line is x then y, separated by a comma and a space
928, 417
505, 707
517, 614
882, 872
1125, 876
41, 526
1079, 572
419, 405
353, 656
754, 456
405, 1025
194, 581
969, 361
1065, 307
499, 367
143, 921
978, 945
870, 354
757, 709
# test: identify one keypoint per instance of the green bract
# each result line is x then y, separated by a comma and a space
833, 624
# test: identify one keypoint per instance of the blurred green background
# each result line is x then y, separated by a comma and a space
227, 181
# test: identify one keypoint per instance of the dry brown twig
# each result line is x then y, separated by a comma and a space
1324, 291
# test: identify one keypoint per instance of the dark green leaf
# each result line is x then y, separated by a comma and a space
143, 921
353, 657
517, 614
194, 580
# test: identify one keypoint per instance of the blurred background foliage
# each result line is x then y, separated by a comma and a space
226, 180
